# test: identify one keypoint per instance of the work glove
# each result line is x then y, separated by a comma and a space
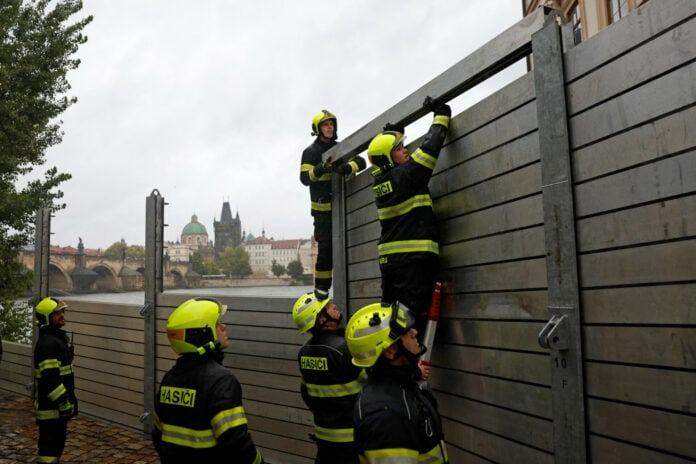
442, 109
322, 168
342, 168
394, 127
66, 409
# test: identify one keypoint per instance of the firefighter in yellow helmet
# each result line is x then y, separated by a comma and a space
315, 172
408, 247
54, 382
330, 381
199, 415
394, 419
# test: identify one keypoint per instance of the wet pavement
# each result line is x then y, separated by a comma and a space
89, 440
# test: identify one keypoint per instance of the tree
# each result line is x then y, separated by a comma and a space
121, 250
197, 263
277, 269
295, 269
211, 267
235, 262
37, 44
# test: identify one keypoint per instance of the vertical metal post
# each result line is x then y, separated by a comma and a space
338, 242
42, 247
153, 279
563, 334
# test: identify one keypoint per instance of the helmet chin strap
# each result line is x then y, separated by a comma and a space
331, 319
412, 358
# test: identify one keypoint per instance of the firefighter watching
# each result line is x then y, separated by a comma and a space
330, 382
54, 382
199, 415
315, 172
395, 420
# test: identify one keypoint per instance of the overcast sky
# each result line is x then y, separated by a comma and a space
212, 101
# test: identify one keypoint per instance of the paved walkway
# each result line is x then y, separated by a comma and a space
89, 440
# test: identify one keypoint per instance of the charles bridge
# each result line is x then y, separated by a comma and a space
78, 270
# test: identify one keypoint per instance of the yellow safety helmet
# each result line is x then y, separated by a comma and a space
380, 149
191, 328
44, 309
320, 117
374, 328
306, 310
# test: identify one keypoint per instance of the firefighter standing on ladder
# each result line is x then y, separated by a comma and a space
330, 381
408, 248
316, 173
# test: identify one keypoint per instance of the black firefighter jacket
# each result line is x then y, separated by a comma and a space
199, 415
403, 201
54, 381
330, 385
397, 422
319, 181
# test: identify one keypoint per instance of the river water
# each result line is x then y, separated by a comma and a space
139, 297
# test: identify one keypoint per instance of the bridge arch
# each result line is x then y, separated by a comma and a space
107, 279
60, 280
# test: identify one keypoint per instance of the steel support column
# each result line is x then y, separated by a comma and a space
154, 252
563, 334
338, 243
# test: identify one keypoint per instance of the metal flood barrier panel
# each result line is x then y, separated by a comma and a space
566, 206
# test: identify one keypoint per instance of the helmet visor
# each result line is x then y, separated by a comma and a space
401, 320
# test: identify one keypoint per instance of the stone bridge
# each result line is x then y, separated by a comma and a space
76, 272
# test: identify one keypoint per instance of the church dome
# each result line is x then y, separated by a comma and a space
194, 227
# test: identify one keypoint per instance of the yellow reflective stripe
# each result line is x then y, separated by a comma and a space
353, 166
404, 207
392, 456
316, 206
435, 455
46, 414
49, 364
184, 436
424, 159
227, 419
333, 391
408, 246
47, 459
309, 169
258, 459
334, 435
66, 370
322, 274
57, 392
442, 120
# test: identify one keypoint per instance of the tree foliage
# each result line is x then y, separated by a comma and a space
121, 250
235, 262
38, 40
295, 269
277, 269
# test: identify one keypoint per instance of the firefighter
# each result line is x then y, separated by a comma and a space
199, 415
408, 248
54, 382
316, 173
330, 381
395, 420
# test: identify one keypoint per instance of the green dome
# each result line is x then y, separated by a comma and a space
194, 227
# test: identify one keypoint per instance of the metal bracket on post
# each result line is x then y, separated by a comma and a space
555, 334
